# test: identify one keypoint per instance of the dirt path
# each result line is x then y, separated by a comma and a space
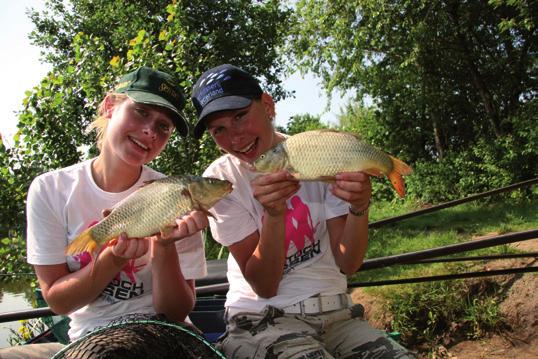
520, 310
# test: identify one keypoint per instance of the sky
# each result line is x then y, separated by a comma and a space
22, 70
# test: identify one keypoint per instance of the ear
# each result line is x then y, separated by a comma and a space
269, 104
109, 105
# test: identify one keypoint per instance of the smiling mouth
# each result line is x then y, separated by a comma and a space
139, 144
245, 150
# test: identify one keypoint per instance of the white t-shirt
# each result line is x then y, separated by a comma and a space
310, 268
63, 203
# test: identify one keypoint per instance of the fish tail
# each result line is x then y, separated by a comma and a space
83, 243
399, 169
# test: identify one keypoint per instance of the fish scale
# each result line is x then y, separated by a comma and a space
136, 221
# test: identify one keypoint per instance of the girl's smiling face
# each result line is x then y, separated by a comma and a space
245, 133
137, 133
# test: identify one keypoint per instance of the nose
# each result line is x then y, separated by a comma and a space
149, 130
236, 135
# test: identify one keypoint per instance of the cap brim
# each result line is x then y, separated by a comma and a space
220, 104
148, 98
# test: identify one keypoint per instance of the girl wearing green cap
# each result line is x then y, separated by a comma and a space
135, 275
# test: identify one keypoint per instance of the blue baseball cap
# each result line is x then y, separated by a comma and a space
222, 88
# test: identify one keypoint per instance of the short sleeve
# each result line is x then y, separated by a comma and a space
46, 237
334, 206
192, 256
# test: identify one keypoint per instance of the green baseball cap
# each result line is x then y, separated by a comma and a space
153, 87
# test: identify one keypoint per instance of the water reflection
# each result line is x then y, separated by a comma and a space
14, 296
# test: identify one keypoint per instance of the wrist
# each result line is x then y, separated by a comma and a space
359, 212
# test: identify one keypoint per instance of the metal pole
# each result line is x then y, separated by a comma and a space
420, 212
444, 277
450, 249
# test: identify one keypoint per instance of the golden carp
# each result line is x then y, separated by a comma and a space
153, 208
321, 154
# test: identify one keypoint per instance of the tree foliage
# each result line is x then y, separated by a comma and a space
305, 122
444, 75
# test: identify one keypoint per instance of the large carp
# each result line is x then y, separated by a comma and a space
321, 154
153, 208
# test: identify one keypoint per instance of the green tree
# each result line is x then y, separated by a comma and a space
305, 122
442, 73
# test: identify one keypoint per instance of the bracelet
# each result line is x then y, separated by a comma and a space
358, 213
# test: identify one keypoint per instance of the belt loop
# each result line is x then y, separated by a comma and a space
320, 303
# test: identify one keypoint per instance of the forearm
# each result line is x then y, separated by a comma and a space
349, 251
265, 267
173, 295
75, 290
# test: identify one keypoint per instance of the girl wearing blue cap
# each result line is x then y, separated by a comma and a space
136, 275
291, 243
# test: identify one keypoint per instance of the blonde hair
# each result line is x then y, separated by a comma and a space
100, 124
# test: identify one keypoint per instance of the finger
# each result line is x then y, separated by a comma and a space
200, 218
353, 181
277, 195
136, 247
275, 188
121, 245
272, 178
142, 247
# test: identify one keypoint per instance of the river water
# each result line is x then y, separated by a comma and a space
14, 296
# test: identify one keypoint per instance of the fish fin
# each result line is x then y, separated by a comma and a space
398, 183
373, 172
166, 230
399, 169
83, 243
327, 179
94, 263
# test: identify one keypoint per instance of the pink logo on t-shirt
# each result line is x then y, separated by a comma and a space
299, 225
83, 259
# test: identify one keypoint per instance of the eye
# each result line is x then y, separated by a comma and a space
216, 131
240, 116
165, 127
141, 112
262, 157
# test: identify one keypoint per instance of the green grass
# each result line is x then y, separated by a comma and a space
445, 227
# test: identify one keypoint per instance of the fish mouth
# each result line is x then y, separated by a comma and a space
138, 143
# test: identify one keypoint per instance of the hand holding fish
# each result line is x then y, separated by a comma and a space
354, 188
272, 191
130, 248
187, 225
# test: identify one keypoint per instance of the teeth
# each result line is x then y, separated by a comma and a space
247, 148
139, 143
